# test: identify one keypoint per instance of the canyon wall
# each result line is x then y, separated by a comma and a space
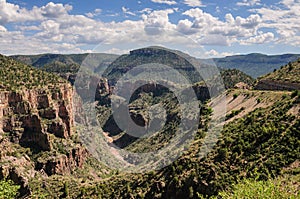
38, 119
29, 116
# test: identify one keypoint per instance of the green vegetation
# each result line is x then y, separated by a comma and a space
8, 190
288, 73
235, 95
233, 76
152, 56
269, 189
281, 187
258, 100
254, 65
234, 113
16, 76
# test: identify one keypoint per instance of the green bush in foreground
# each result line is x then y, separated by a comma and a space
270, 189
8, 189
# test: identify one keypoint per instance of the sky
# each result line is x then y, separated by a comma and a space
202, 28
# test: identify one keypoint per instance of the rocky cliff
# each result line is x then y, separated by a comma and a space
31, 115
36, 125
35, 119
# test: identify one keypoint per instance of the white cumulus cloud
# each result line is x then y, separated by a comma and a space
169, 2
259, 39
193, 3
249, 3
53, 10
13, 13
157, 21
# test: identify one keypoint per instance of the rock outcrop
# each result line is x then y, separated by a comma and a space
267, 84
32, 115
65, 163
242, 85
29, 117
18, 169
103, 92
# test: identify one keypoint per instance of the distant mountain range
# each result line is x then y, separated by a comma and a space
254, 64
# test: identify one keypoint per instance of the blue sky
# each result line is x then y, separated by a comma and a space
211, 28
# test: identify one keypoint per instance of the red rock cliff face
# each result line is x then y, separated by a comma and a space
30, 116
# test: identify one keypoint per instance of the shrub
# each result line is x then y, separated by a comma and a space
8, 189
191, 192
66, 189
290, 66
258, 100
295, 93
284, 96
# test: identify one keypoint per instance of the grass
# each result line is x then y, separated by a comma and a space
281, 187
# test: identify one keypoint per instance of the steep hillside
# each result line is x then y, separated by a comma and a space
251, 146
255, 64
17, 76
37, 137
174, 59
67, 65
286, 78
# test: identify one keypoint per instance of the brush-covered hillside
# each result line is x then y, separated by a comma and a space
287, 73
251, 154
17, 76
254, 64
258, 149
286, 78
